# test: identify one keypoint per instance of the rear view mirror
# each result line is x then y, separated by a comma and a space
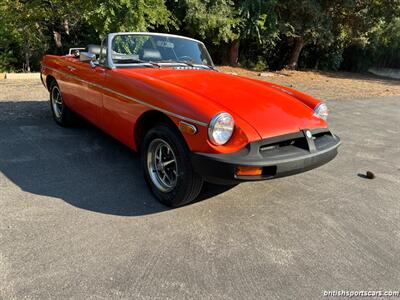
87, 56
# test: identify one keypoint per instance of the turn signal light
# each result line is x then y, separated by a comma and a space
187, 128
248, 171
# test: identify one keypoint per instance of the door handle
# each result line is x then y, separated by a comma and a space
71, 68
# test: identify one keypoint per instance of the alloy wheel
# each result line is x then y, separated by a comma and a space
162, 165
57, 102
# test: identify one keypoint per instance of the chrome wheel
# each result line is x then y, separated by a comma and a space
56, 102
162, 165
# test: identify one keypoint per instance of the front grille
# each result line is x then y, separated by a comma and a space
320, 138
323, 140
296, 142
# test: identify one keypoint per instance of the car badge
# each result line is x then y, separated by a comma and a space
308, 134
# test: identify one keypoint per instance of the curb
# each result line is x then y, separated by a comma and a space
19, 76
385, 72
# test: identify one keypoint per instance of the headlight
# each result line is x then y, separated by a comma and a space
221, 128
322, 111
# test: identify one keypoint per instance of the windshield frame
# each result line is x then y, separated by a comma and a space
113, 65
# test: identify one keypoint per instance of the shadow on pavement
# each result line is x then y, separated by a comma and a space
82, 165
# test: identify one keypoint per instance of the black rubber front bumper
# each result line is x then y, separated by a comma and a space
278, 156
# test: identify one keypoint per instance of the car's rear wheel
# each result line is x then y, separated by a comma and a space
167, 167
61, 113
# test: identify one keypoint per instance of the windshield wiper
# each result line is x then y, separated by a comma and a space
208, 67
194, 65
186, 63
154, 64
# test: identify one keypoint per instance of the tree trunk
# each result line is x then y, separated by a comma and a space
234, 53
27, 50
57, 39
294, 58
225, 57
27, 62
66, 26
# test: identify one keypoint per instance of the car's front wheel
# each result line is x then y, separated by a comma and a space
167, 167
61, 113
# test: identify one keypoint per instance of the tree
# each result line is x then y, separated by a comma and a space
127, 15
304, 22
213, 21
30, 28
21, 24
324, 22
315, 32
225, 22
384, 44
257, 22
33, 24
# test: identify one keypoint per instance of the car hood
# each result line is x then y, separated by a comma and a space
269, 110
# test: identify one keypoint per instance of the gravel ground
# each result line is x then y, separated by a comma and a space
77, 221
323, 85
328, 85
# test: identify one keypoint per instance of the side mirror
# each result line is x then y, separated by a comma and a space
87, 56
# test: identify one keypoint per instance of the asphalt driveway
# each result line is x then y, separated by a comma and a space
77, 221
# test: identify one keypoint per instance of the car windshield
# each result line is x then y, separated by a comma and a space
131, 49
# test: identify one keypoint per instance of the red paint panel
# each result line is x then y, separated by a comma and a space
269, 110
114, 99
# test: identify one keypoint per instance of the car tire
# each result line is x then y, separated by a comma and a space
61, 113
165, 154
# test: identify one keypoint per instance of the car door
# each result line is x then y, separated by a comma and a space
69, 83
89, 92
120, 113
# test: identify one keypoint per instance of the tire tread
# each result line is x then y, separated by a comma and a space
193, 182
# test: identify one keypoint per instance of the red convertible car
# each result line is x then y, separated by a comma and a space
161, 95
